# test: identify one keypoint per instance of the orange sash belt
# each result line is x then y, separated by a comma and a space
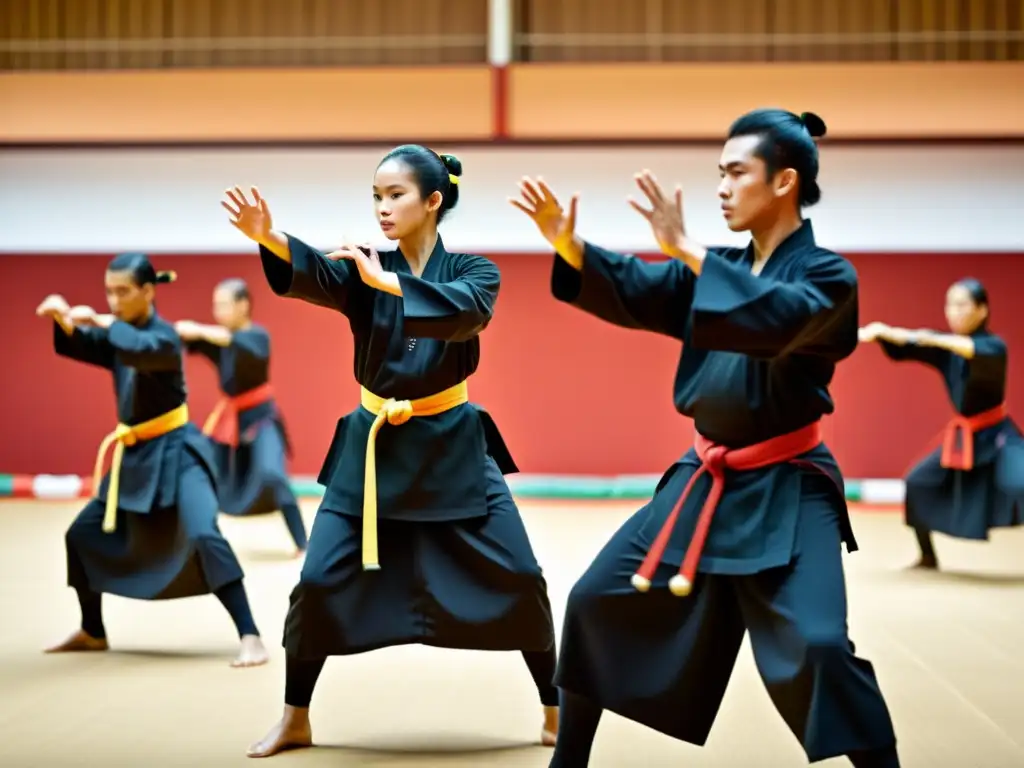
715, 459
125, 436
964, 427
222, 423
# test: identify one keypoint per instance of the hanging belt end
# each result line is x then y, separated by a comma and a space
640, 583
679, 585
371, 566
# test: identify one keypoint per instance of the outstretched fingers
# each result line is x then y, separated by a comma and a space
570, 220
650, 187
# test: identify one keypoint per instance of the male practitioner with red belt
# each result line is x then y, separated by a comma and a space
744, 533
246, 426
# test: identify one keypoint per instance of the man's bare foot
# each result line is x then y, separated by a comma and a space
252, 653
79, 641
549, 734
292, 732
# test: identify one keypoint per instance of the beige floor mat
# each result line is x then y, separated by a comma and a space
948, 648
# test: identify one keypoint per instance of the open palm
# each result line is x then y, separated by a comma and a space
251, 219
665, 216
540, 204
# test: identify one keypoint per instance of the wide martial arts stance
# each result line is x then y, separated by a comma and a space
653, 627
455, 568
974, 481
246, 427
150, 532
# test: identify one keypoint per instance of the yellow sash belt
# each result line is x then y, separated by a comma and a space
125, 435
394, 412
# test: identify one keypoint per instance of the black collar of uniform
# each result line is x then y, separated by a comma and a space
435, 255
151, 319
796, 241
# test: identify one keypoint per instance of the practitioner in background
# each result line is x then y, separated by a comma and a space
974, 481
150, 532
745, 531
416, 464
246, 426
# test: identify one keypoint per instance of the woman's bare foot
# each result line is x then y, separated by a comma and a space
79, 641
292, 732
252, 653
926, 563
549, 733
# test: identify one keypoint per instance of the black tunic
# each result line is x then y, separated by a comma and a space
758, 355
457, 568
252, 476
407, 347
166, 544
968, 504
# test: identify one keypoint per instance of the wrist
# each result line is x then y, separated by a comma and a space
571, 249
688, 251
387, 282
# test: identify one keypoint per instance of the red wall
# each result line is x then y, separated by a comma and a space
550, 375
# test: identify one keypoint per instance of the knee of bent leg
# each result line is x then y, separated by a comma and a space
315, 576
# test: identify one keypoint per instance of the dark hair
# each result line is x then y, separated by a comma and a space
237, 286
787, 141
979, 295
140, 268
432, 172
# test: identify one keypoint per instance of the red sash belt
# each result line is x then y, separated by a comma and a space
715, 459
964, 427
222, 424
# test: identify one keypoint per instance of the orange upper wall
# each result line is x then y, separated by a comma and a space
556, 102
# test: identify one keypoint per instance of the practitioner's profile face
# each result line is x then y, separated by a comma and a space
400, 207
228, 311
963, 314
127, 301
747, 195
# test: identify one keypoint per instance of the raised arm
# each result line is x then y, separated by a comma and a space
903, 345
209, 340
293, 269
626, 291
454, 311
307, 275
737, 311
967, 347
196, 342
622, 290
86, 345
157, 348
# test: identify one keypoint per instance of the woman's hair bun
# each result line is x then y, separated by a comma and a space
453, 164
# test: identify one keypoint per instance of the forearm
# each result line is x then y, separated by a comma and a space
688, 251
962, 346
214, 334
65, 325
389, 283
571, 252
